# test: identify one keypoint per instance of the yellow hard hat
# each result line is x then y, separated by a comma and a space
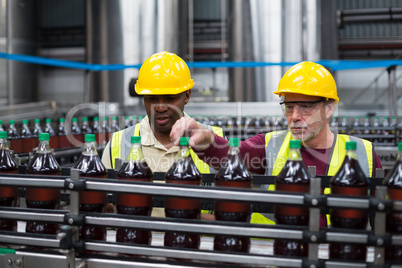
163, 73
308, 78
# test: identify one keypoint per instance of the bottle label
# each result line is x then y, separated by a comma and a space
7, 192
41, 194
183, 203
91, 197
134, 200
351, 191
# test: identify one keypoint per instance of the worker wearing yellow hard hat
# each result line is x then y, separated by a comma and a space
308, 96
165, 82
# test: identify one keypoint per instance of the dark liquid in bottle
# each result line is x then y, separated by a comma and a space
237, 177
8, 195
90, 201
293, 178
44, 164
394, 219
180, 207
350, 180
134, 204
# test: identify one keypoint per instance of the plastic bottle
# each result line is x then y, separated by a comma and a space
349, 180
233, 173
1, 126
134, 120
183, 171
36, 130
333, 125
90, 165
135, 168
27, 141
114, 126
104, 131
375, 130
78, 137
14, 138
53, 141
356, 127
62, 134
8, 195
96, 129
385, 131
43, 163
393, 181
344, 127
293, 177
85, 128
366, 125
127, 122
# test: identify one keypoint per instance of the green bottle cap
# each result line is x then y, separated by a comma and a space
351, 145
105, 118
7, 251
234, 142
295, 144
37, 121
61, 120
75, 119
3, 135
135, 139
127, 117
1, 122
48, 120
25, 122
44, 136
85, 119
11, 122
400, 146
89, 137
96, 118
114, 117
184, 141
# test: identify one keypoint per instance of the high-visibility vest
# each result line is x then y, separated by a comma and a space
277, 151
120, 146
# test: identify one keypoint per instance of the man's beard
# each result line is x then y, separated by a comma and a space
305, 137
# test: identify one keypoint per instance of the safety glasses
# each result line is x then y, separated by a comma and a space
304, 107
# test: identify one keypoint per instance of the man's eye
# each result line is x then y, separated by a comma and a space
289, 107
306, 106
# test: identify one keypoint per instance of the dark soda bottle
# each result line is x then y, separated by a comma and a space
85, 128
183, 171
90, 165
135, 168
43, 163
349, 180
14, 138
35, 132
233, 173
393, 181
293, 177
62, 134
114, 126
78, 137
105, 130
127, 122
27, 141
8, 195
53, 141
1, 126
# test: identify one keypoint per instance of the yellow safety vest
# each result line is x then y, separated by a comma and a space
277, 150
120, 146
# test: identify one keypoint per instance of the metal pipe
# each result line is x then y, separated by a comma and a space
33, 181
54, 217
23, 239
10, 73
203, 255
198, 227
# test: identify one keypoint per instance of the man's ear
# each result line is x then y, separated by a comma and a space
187, 96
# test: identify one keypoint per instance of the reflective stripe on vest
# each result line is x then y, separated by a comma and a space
277, 149
121, 142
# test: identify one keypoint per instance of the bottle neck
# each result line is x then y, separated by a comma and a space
294, 154
233, 150
4, 144
135, 153
44, 147
184, 152
351, 154
90, 148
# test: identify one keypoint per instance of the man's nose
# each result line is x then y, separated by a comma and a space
295, 113
161, 107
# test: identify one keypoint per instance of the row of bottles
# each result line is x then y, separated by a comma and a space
294, 177
382, 131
